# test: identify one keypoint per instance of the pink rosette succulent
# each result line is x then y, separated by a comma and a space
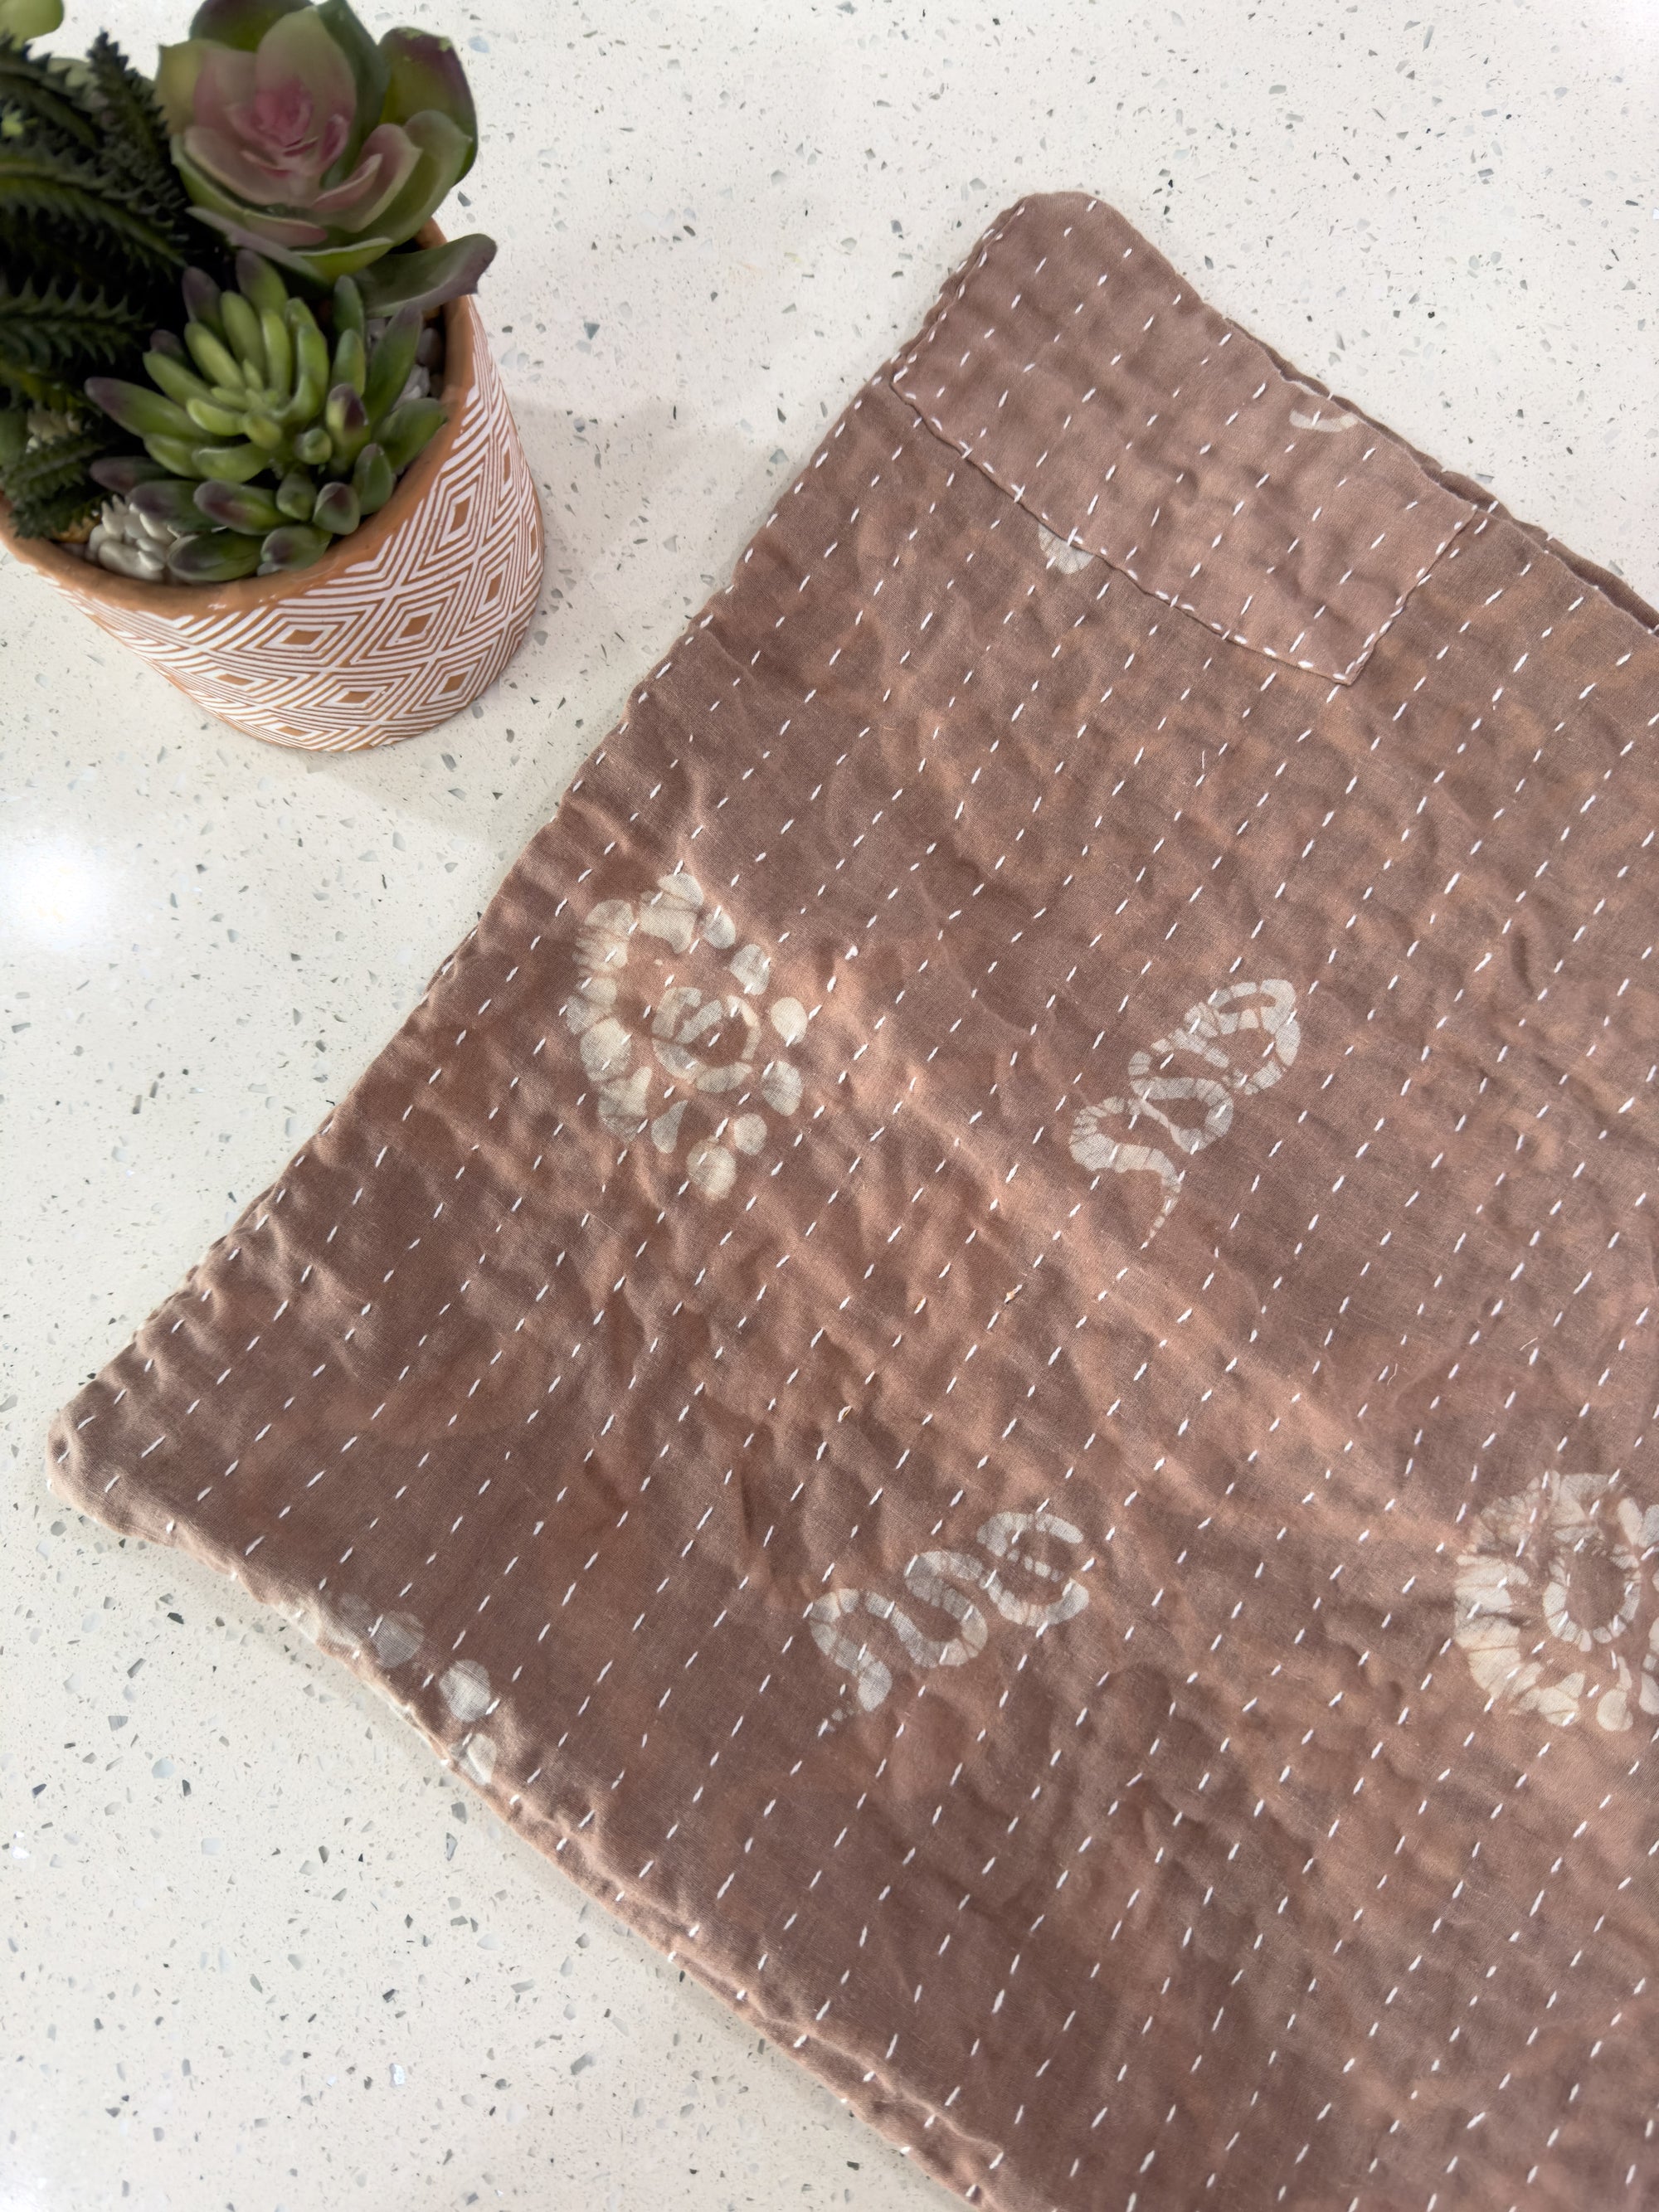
299, 136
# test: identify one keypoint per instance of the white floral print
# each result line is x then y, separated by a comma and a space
1207, 1033
353, 1624
1061, 553
396, 1636
694, 1063
1555, 1606
465, 1688
1325, 414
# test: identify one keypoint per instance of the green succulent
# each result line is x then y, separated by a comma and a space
299, 136
29, 19
266, 443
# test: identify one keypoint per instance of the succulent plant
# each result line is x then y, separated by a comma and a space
95, 230
254, 391
298, 135
22, 20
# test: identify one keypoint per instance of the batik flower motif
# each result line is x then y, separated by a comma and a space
683, 1062
1550, 1596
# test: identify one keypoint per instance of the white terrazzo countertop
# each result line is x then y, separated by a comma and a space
261, 1950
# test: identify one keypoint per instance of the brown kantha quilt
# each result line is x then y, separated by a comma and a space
989, 1353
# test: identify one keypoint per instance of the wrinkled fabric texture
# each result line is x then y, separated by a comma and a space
988, 1353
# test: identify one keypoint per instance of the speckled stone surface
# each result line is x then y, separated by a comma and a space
262, 1952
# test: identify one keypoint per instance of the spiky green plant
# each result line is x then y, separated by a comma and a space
46, 334
255, 392
95, 231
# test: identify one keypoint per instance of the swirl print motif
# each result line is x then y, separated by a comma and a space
1236, 1011
1549, 1598
944, 1580
707, 1049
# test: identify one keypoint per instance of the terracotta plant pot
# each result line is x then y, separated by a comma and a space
397, 628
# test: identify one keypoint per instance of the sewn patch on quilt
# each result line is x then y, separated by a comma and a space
1137, 423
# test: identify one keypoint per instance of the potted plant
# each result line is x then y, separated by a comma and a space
254, 428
